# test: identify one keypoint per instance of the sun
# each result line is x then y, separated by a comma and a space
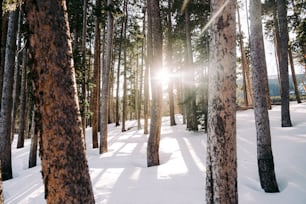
163, 77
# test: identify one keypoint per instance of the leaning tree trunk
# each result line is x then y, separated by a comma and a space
283, 62
221, 173
259, 73
64, 165
6, 100
156, 107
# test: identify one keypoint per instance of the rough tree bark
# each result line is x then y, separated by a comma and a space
105, 80
64, 165
259, 73
156, 107
221, 174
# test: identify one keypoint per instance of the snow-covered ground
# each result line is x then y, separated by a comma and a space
121, 176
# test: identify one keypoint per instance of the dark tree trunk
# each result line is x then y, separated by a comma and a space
283, 62
96, 79
6, 101
64, 165
221, 174
23, 102
1, 191
36, 126
259, 74
156, 107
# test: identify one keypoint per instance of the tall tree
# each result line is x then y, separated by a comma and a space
156, 107
6, 100
147, 12
283, 62
221, 174
259, 74
190, 96
295, 84
96, 77
64, 165
1, 194
106, 78
170, 63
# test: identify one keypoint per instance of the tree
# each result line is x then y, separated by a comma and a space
221, 174
295, 84
283, 62
156, 107
259, 74
96, 77
6, 100
36, 126
105, 79
189, 92
1, 194
64, 165
170, 64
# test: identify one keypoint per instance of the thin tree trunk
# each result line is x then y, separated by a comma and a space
259, 74
83, 83
221, 163
283, 62
296, 90
6, 101
147, 70
23, 103
64, 166
105, 81
170, 64
156, 107
36, 126
16, 86
124, 100
190, 96
117, 116
140, 84
96, 79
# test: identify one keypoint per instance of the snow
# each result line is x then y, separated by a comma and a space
121, 176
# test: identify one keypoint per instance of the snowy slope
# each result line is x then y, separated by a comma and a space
121, 176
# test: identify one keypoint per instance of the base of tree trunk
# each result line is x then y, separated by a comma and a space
267, 175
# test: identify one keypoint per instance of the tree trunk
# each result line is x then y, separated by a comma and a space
147, 70
170, 64
96, 79
156, 107
124, 99
64, 165
23, 103
221, 174
283, 62
6, 101
1, 191
36, 126
190, 96
296, 90
83, 70
259, 73
117, 116
105, 80
16, 86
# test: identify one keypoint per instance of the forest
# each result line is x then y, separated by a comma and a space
80, 77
